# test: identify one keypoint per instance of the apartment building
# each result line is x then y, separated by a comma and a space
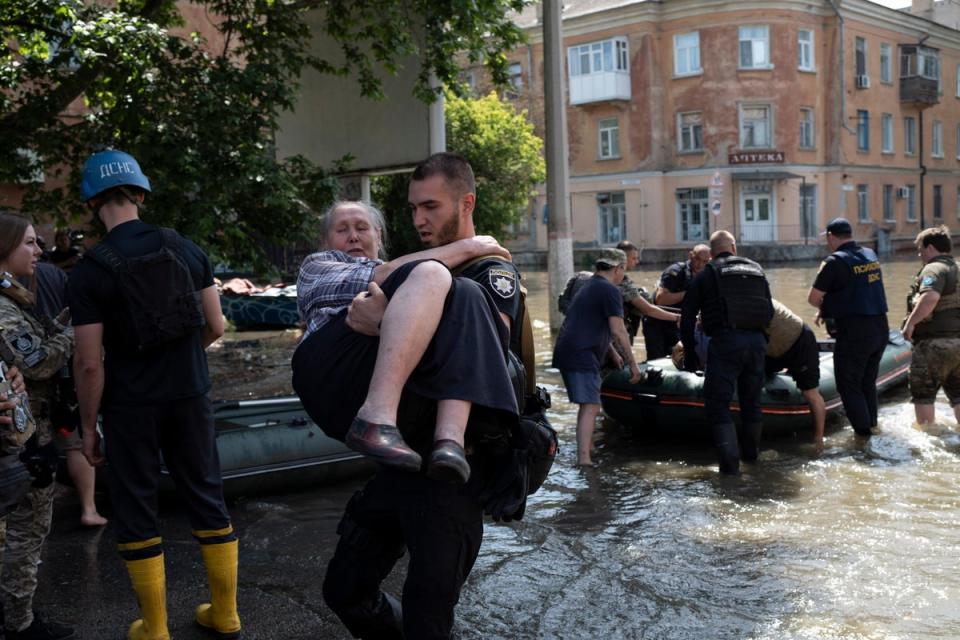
766, 118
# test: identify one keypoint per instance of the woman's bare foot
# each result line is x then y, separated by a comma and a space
92, 519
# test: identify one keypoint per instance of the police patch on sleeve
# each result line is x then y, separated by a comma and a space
24, 343
928, 281
502, 282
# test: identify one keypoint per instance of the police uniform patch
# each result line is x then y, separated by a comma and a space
927, 281
24, 343
502, 282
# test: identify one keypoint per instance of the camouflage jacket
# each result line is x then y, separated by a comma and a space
38, 353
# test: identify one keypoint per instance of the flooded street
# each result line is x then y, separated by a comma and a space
858, 543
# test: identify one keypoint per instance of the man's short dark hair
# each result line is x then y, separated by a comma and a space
939, 237
453, 167
626, 246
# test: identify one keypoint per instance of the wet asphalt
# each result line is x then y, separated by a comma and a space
285, 543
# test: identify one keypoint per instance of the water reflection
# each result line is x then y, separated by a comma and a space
859, 542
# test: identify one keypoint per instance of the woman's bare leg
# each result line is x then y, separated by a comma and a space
408, 325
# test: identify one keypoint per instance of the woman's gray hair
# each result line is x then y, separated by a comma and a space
373, 213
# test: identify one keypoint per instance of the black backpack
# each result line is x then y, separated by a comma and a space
160, 297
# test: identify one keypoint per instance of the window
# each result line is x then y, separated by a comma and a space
958, 142
958, 80
911, 203
692, 218
612, 217
909, 136
690, 131
863, 130
686, 54
805, 50
861, 56
886, 133
888, 203
755, 47
756, 130
808, 211
806, 128
609, 138
886, 63
936, 148
958, 203
919, 61
938, 202
863, 211
597, 57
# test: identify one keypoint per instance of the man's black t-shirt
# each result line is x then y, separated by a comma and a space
176, 370
834, 273
502, 281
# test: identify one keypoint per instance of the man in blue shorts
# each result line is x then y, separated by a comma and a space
595, 315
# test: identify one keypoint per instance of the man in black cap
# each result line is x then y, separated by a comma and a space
848, 292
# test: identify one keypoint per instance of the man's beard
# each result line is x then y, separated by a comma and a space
448, 233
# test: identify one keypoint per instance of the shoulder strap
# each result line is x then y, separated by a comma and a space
170, 238
105, 255
527, 351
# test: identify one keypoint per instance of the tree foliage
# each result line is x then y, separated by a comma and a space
200, 114
507, 160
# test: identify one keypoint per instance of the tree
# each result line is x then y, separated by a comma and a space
507, 161
200, 111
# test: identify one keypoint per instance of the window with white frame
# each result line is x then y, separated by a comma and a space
598, 57
938, 202
863, 211
886, 133
805, 59
863, 130
806, 128
690, 131
860, 49
886, 63
756, 126
686, 54
612, 217
609, 138
888, 215
920, 61
755, 47
909, 135
911, 202
936, 148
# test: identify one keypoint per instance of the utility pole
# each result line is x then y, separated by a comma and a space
560, 238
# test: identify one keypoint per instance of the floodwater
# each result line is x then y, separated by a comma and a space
857, 543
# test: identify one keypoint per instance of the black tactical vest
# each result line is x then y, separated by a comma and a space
743, 296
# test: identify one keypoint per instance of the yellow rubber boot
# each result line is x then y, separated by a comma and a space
149, 583
220, 615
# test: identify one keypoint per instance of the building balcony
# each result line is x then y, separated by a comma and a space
919, 91
599, 87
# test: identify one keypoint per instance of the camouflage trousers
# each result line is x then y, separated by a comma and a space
935, 364
21, 542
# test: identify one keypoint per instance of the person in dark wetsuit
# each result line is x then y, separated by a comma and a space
439, 524
849, 291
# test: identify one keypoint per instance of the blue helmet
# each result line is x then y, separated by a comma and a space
108, 169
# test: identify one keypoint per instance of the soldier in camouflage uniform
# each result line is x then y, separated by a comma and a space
40, 353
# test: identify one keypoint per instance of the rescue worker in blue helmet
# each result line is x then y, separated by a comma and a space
848, 293
151, 389
732, 296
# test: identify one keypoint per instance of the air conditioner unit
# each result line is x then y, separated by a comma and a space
903, 192
863, 82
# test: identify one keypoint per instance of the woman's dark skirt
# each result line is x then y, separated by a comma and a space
466, 360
